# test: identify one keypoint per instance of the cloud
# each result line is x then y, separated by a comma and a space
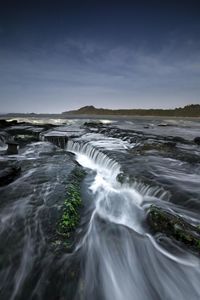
100, 73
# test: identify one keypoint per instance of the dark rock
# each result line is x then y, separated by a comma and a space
92, 124
178, 139
59, 141
121, 177
170, 144
175, 227
155, 146
197, 140
24, 139
9, 174
12, 148
24, 130
4, 123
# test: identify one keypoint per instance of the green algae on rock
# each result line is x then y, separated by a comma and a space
70, 211
175, 227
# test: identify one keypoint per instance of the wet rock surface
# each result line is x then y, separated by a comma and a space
5, 123
174, 226
131, 170
30, 208
4, 136
8, 172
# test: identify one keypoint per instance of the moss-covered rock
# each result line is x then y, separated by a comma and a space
70, 213
175, 227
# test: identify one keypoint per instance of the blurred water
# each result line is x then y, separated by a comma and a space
116, 256
121, 258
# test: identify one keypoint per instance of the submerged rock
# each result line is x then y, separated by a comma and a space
154, 146
174, 226
197, 140
179, 139
9, 174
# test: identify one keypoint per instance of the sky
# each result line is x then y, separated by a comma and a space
61, 55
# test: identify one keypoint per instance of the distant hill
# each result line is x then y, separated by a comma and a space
192, 110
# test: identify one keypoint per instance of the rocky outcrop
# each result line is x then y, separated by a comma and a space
93, 124
5, 123
59, 141
12, 147
175, 227
60, 136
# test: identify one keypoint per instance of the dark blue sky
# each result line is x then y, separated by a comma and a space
60, 55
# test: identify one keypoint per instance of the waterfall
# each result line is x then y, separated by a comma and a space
122, 260
92, 158
3, 138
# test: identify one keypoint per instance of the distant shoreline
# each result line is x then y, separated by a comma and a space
192, 110
91, 112
97, 117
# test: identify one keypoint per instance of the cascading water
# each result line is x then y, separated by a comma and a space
121, 260
91, 158
3, 139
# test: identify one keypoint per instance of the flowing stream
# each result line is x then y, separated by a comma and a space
115, 255
121, 260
